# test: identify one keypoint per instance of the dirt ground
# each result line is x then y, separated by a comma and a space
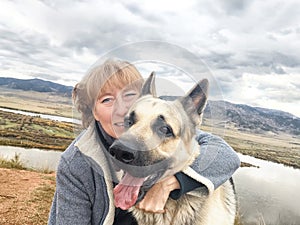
25, 196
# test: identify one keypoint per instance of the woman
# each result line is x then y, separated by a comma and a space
86, 176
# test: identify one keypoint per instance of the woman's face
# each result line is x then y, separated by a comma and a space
111, 108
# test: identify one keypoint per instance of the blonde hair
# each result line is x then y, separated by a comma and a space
100, 79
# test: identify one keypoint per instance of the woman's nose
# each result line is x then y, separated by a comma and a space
121, 107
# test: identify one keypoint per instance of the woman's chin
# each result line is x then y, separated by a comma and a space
118, 130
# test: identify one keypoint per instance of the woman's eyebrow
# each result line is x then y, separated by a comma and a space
105, 94
129, 89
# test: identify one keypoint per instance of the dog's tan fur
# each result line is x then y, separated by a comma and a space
198, 207
190, 209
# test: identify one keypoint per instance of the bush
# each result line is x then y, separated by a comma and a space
14, 163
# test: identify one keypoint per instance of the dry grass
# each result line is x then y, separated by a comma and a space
280, 148
25, 196
36, 102
35, 132
41, 200
13, 163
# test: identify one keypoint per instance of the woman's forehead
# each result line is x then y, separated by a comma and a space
111, 90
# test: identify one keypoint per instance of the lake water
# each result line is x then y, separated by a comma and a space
269, 194
32, 158
35, 158
44, 116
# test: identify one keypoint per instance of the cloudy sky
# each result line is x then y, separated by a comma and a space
251, 48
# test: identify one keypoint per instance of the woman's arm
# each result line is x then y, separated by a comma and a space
217, 160
71, 203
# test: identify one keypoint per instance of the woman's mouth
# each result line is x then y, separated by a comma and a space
119, 124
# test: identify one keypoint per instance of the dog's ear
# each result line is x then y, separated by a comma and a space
149, 86
195, 100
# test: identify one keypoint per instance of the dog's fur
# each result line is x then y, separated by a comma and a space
160, 140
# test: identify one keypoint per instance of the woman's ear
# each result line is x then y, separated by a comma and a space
94, 111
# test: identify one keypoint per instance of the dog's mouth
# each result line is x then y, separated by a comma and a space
132, 189
142, 169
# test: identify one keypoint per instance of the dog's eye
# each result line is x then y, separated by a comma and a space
128, 122
166, 131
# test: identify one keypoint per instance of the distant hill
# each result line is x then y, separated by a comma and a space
35, 85
254, 119
251, 119
243, 117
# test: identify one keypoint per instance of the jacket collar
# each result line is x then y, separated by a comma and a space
96, 155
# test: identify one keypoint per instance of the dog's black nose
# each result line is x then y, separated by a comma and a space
123, 155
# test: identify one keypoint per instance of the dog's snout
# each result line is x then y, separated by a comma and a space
121, 154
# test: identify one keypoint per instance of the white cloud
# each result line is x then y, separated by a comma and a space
247, 44
276, 91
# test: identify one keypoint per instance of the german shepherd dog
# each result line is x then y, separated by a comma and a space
159, 141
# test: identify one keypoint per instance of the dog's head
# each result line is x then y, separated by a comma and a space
158, 141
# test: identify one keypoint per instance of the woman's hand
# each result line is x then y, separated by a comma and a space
157, 196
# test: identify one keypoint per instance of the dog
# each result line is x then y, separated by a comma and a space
158, 142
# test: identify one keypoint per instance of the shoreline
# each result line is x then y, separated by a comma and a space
35, 132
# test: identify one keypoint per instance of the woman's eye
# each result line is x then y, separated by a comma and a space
130, 95
106, 100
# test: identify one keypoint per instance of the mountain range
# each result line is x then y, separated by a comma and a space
243, 117
254, 119
35, 85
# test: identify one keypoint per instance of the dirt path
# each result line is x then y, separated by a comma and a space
25, 196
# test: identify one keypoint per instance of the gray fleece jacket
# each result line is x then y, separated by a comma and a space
84, 183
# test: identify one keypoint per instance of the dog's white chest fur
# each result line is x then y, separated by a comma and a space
194, 210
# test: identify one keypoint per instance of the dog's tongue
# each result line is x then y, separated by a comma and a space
126, 192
